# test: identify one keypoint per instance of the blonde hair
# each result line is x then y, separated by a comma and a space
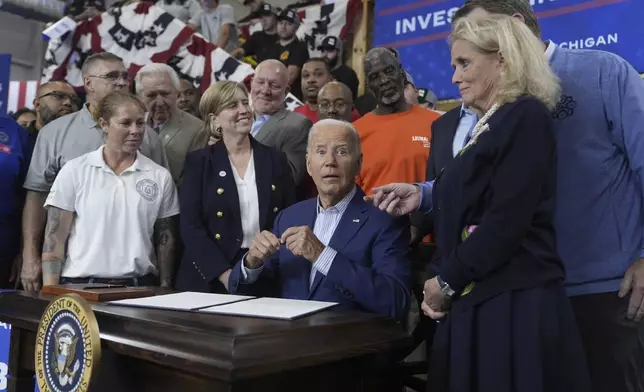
109, 105
526, 71
215, 99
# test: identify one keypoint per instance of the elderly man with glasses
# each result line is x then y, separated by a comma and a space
66, 138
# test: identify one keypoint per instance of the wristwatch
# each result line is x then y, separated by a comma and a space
445, 289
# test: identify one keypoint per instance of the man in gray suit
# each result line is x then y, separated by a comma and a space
158, 86
274, 126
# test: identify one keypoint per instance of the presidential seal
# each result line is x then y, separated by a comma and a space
148, 189
68, 346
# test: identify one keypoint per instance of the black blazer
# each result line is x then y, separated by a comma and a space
210, 218
440, 150
504, 184
440, 154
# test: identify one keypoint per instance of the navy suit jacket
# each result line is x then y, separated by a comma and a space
505, 185
210, 217
371, 271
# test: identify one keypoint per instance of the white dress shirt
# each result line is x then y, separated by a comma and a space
248, 202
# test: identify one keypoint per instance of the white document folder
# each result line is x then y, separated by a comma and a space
274, 308
181, 301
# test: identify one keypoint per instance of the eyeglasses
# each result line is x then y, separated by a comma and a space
114, 76
61, 97
338, 105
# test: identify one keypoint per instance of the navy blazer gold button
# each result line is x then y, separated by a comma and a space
211, 224
275, 209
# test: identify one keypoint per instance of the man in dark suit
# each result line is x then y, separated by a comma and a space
158, 87
336, 247
274, 126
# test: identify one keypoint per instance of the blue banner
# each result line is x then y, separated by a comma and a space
5, 334
5, 71
419, 30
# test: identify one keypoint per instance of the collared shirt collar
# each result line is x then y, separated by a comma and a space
88, 117
550, 49
95, 159
160, 127
342, 205
466, 111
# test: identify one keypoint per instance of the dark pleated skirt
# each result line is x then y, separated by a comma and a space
518, 341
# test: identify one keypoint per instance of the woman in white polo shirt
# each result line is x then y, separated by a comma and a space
115, 207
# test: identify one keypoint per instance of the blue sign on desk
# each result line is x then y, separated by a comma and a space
5, 341
419, 30
5, 333
5, 71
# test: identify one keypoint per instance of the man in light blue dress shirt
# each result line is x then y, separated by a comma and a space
336, 247
466, 124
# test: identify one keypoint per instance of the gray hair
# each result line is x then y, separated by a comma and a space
353, 133
157, 68
379, 53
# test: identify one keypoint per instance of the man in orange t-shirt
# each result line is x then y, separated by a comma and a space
395, 136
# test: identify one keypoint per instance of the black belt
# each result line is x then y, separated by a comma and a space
147, 280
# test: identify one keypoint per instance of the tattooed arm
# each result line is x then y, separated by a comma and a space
59, 224
165, 242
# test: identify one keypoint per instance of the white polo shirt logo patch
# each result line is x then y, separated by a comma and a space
148, 189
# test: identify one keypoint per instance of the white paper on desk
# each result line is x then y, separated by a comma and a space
181, 301
276, 308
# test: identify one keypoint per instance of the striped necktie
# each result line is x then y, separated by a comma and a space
257, 124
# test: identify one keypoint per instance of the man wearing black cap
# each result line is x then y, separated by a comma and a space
410, 91
84, 9
427, 99
332, 50
260, 42
292, 52
255, 10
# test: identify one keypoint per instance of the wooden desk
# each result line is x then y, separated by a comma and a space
157, 350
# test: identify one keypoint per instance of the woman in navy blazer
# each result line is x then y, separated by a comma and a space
505, 321
231, 191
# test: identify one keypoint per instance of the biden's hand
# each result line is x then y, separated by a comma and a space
264, 246
302, 242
